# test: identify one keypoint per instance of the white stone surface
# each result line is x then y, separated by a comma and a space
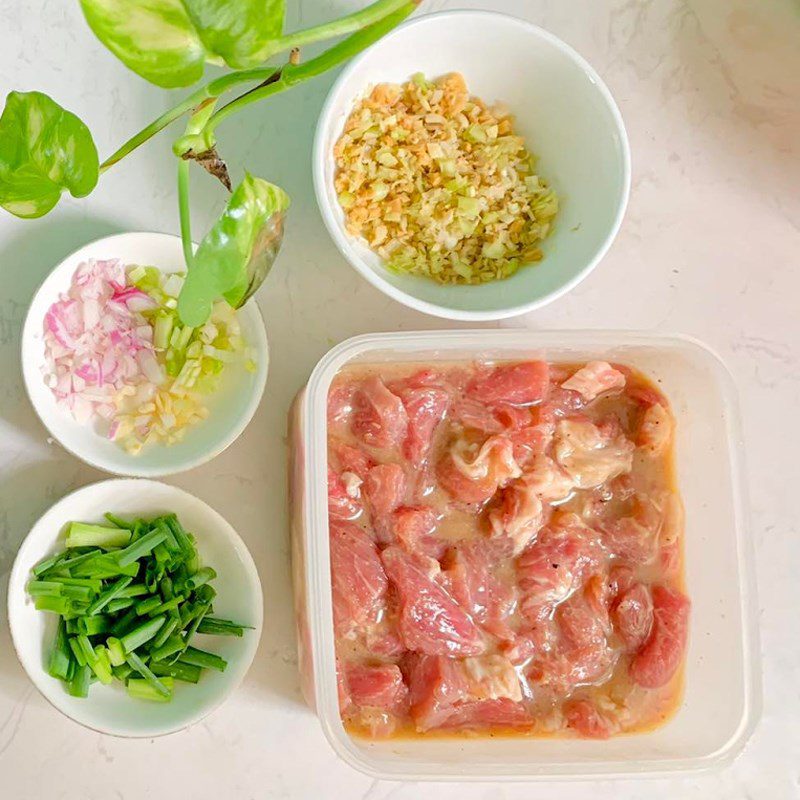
710, 91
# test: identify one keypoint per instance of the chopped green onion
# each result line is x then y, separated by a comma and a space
203, 575
60, 654
201, 658
141, 547
43, 588
134, 590
47, 564
118, 521
188, 673
116, 652
105, 566
146, 606
122, 672
84, 593
173, 645
168, 605
221, 627
101, 665
141, 634
77, 651
91, 626
58, 605
79, 683
119, 604
166, 631
143, 689
148, 675
104, 598
81, 534
125, 623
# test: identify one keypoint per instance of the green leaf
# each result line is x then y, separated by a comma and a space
154, 38
238, 30
44, 149
237, 253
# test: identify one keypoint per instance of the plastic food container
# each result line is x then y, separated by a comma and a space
722, 698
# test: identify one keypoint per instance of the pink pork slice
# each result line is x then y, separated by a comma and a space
340, 504
414, 528
487, 599
431, 621
454, 694
516, 384
378, 686
632, 613
358, 579
557, 563
426, 407
662, 653
384, 489
379, 417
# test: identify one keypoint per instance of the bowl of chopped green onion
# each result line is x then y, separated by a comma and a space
134, 607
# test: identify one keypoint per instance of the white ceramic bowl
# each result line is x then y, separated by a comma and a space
108, 709
232, 407
563, 109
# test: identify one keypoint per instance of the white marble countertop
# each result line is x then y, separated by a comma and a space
711, 247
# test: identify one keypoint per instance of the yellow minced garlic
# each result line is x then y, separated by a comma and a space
164, 415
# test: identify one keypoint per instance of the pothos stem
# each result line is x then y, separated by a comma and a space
197, 121
213, 89
185, 213
291, 73
339, 27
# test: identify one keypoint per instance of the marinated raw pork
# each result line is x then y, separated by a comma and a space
506, 550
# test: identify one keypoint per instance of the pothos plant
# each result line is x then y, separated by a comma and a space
46, 150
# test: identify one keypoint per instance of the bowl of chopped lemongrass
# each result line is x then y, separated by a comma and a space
134, 607
471, 165
116, 376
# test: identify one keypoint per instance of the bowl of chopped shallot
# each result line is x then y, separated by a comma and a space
117, 378
471, 166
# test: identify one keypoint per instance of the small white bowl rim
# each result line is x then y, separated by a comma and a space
342, 242
155, 471
247, 561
